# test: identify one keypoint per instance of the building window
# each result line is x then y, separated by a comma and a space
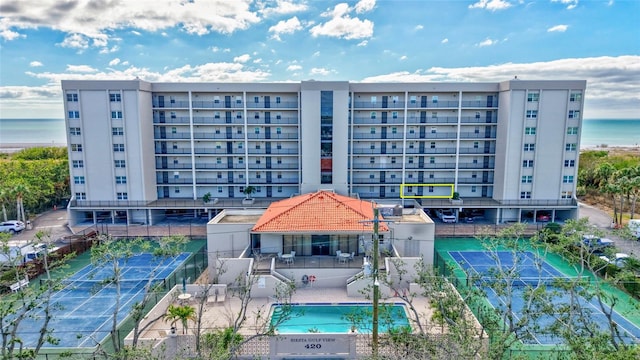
78, 164
569, 163
525, 195
278, 100
434, 115
410, 159
433, 130
240, 160
256, 115
122, 196
216, 115
574, 97
527, 163
117, 131
473, 189
529, 147
74, 131
477, 114
78, 179
81, 196
567, 194
256, 130
279, 189
119, 163
574, 114
527, 179
572, 131
374, 100
74, 114
115, 97
372, 160
432, 145
530, 131
372, 130
116, 114
121, 179
432, 160
372, 146
532, 114
373, 115
76, 147
394, 130
238, 115
256, 99
476, 144
176, 190
72, 97
412, 99
434, 99
118, 147
393, 159
278, 131
238, 101
567, 179
570, 147
219, 189
533, 97
216, 99
394, 114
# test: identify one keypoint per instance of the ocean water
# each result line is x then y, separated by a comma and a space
28, 131
610, 132
595, 132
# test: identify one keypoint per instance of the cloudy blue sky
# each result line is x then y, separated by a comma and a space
44, 41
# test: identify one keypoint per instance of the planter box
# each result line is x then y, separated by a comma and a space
248, 201
456, 202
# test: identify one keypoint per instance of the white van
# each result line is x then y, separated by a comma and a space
634, 226
448, 216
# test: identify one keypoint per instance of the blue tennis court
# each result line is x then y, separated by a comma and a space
83, 309
531, 270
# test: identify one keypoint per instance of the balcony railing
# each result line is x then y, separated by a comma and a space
273, 105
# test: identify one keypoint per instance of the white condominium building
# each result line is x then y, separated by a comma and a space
141, 151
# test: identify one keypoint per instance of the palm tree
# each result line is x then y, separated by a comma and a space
4, 197
19, 190
182, 314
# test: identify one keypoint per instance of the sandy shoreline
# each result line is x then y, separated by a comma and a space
14, 147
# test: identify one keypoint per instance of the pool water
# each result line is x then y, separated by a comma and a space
336, 318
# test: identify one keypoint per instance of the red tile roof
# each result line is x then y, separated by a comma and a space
322, 211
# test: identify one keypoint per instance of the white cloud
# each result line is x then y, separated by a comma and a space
487, 42
418, 27
242, 58
81, 69
403, 57
558, 28
571, 4
342, 25
114, 62
316, 54
492, 5
612, 82
294, 67
9, 35
282, 7
365, 6
285, 27
137, 33
75, 41
320, 71
444, 41
90, 22
363, 43
35, 64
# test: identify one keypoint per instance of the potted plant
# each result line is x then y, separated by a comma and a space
206, 198
248, 191
455, 198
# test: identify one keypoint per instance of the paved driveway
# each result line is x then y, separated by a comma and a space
603, 221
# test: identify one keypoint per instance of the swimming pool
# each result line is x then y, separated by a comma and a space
337, 318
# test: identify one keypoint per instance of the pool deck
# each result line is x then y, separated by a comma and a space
221, 315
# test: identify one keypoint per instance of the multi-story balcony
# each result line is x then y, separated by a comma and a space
272, 105
431, 151
274, 180
218, 166
376, 151
172, 166
161, 135
378, 104
473, 150
168, 103
172, 181
432, 120
432, 135
362, 135
274, 151
157, 119
216, 120
367, 120
366, 165
285, 120
216, 104
272, 136
478, 165
274, 166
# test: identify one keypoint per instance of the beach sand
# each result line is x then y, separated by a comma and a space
14, 147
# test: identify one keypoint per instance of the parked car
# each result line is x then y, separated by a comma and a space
596, 243
543, 217
448, 216
619, 259
12, 226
